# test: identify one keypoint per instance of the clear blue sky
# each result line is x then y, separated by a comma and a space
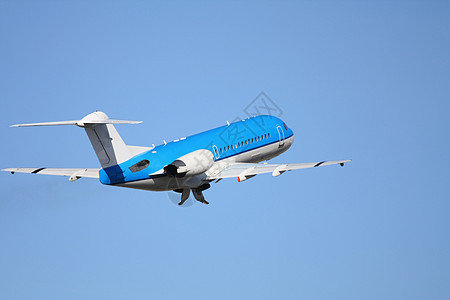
354, 79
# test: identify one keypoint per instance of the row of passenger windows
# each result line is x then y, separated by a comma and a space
245, 142
145, 163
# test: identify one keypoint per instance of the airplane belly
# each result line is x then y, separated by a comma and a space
165, 183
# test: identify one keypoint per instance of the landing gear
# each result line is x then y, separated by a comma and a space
198, 195
184, 196
197, 192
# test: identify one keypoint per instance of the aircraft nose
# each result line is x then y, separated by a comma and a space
291, 132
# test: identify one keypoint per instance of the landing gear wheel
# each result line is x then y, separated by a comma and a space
198, 195
184, 196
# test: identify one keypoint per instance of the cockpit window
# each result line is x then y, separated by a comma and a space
140, 166
285, 126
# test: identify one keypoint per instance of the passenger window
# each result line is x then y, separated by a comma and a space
140, 166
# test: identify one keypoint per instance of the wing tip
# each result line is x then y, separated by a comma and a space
343, 162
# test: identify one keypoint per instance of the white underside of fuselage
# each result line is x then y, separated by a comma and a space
165, 183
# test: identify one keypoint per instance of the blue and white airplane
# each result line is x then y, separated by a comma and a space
186, 164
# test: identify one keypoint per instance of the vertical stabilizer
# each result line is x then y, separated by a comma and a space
108, 145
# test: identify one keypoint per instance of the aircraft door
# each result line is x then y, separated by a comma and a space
216, 152
280, 136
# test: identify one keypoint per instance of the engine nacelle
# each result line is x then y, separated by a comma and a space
190, 164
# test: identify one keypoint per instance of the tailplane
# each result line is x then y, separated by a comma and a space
108, 145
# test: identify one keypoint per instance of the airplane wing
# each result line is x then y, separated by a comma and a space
244, 171
73, 173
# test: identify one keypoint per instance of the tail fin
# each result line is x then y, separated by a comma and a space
107, 143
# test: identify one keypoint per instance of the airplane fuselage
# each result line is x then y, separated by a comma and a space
195, 157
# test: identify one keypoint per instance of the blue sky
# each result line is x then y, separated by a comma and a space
353, 79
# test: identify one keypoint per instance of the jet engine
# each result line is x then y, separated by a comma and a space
190, 164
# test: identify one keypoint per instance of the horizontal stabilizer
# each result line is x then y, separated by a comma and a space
80, 123
94, 118
46, 124
107, 121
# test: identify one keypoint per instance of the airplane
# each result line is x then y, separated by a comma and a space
191, 163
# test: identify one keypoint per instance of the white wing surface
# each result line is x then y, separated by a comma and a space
245, 171
73, 173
